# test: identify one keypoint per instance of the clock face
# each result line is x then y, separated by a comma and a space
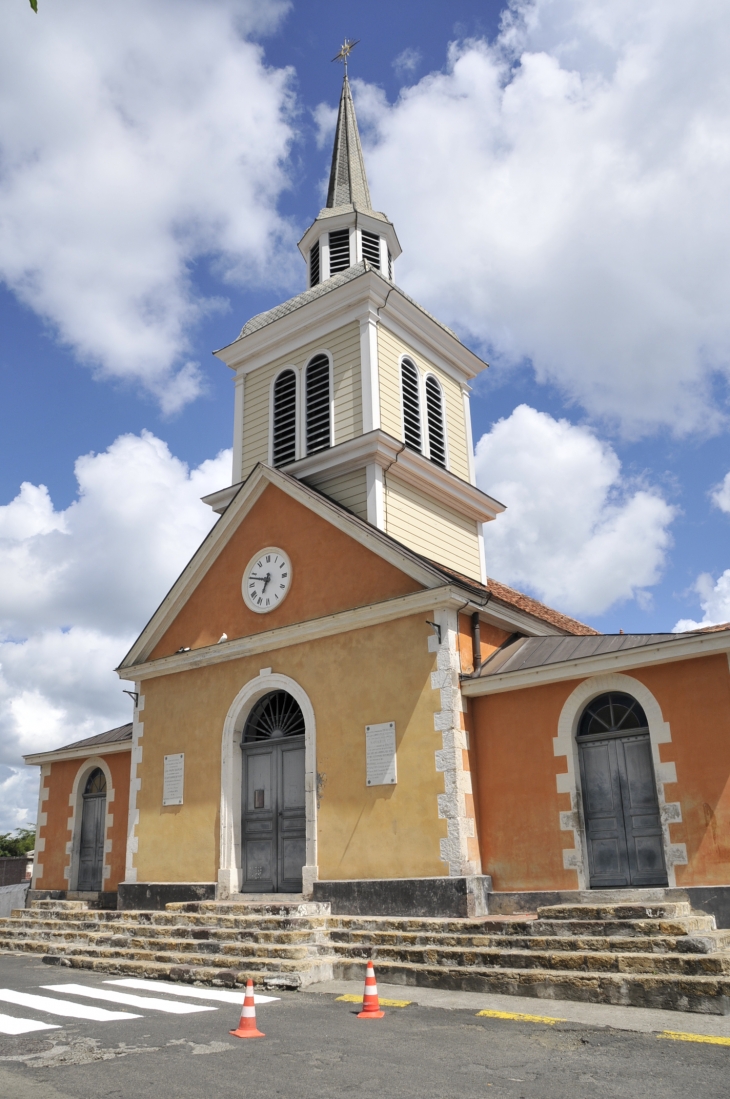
267, 580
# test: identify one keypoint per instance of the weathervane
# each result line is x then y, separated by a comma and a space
345, 50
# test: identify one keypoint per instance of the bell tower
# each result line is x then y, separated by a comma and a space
354, 388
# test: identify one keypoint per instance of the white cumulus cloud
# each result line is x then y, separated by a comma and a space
574, 533
136, 139
77, 585
714, 594
561, 196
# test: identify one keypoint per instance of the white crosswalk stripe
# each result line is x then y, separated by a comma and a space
63, 1007
10, 1025
191, 993
149, 1003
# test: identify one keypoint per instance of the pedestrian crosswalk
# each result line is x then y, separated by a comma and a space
67, 1002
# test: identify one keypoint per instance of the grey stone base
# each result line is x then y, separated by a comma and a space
155, 895
426, 897
93, 900
712, 899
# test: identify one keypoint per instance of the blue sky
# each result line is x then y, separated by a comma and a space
558, 181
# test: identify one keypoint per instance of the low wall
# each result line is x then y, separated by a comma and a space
417, 897
13, 896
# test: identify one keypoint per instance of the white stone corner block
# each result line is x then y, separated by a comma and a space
563, 783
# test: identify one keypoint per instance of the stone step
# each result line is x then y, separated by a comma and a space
66, 906
177, 946
161, 919
309, 972
706, 995
707, 943
685, 925
620, 911
584, 961
21, 929
254, 907
266, 962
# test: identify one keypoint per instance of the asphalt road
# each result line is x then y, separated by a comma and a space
316, 1047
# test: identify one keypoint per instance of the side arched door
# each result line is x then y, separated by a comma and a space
273, 824
620, 806
93, 820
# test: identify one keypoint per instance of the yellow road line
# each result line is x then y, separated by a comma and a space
522, 1018
680, 1036
351, 999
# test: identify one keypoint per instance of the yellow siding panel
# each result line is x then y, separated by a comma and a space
348, 489
344, 347
390, 350
431, 528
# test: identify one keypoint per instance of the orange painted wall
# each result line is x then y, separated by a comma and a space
695, 699
514, 775
56, 833
517, 802
331, 573
490, 637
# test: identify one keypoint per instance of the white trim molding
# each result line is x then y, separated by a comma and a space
135, 785
230, 872
565, 744
76, 801
461, 827
79, 753
44, 792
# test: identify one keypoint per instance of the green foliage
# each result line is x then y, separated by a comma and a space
18, 843
34, 5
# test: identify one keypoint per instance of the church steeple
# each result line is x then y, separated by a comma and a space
348, 232
348, 184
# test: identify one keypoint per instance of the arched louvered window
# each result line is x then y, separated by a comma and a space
314, 265
284, 420
275, 715
371, 248
435, 421
317, 403
339, 250
411, 397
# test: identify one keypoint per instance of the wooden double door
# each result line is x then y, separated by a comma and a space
621, 811
273, 828
91, 846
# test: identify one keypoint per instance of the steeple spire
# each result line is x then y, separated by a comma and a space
348, 183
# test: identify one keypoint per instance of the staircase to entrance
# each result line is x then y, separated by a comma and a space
640, 951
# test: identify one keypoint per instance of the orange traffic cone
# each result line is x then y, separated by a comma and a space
247, 1024
370, 1003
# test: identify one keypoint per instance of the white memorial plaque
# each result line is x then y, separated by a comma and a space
380, 754
172, 789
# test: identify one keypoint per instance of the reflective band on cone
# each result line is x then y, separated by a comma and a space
247, 1025
370, 1003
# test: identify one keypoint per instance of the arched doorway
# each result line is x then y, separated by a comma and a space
93, 829
620, 807
273, 821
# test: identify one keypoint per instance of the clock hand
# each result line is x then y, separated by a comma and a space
266, 581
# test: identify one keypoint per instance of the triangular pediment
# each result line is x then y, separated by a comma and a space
339, 563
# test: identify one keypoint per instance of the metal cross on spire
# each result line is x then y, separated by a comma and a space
345, 50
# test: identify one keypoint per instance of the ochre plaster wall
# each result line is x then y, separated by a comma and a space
381, 673
331, 572
58, 809
695, 699
518, 804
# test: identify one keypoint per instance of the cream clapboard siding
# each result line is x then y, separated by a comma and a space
348, 489
431, 528
390, 349
344, 347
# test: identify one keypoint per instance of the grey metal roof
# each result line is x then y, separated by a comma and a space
318, 291
348, 181
112, 736
262, 319
535, 652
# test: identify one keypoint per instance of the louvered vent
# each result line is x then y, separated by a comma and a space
317, 386
390, 267
411, 405
435, 418
371, 248
314, 265
339, 250
285, 418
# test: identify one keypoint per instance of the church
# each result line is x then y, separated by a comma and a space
336, 699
